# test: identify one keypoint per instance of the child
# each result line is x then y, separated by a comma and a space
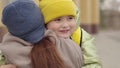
25, 47
61, 21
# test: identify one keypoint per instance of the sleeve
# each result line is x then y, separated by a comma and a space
2, 59
91, 59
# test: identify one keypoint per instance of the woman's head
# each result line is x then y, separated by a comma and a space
24, 20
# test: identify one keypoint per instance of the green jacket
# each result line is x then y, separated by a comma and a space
91, 59
87, 44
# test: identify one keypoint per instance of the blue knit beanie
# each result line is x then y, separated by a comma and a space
24, 20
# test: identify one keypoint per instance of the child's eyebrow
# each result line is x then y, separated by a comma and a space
57, 18
70, 15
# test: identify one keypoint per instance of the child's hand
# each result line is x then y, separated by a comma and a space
8, 66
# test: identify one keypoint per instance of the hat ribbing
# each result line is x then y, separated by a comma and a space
52, 9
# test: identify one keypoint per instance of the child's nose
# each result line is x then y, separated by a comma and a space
65, 24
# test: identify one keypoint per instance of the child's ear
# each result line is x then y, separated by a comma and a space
46, 26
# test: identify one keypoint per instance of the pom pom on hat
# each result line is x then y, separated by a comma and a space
52, 9
24, 20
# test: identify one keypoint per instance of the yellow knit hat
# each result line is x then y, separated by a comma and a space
52, 9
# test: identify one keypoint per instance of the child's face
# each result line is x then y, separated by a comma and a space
62, 26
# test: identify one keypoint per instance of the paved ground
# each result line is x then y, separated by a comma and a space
108, 45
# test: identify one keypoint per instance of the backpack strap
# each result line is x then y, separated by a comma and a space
77, 36
81, 37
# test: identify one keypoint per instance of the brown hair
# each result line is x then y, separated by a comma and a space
45, 55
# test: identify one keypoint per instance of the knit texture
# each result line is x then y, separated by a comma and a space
52, 9
24, 20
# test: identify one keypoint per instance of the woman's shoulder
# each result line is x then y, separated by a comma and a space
9, 39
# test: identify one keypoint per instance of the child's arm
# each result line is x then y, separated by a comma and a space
91, 59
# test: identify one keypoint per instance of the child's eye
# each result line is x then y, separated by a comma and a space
71, 17
58, 19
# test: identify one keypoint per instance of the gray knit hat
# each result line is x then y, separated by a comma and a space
24, 20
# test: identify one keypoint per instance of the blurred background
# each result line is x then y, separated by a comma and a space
100, 18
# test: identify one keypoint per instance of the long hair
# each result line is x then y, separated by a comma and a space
45, 55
